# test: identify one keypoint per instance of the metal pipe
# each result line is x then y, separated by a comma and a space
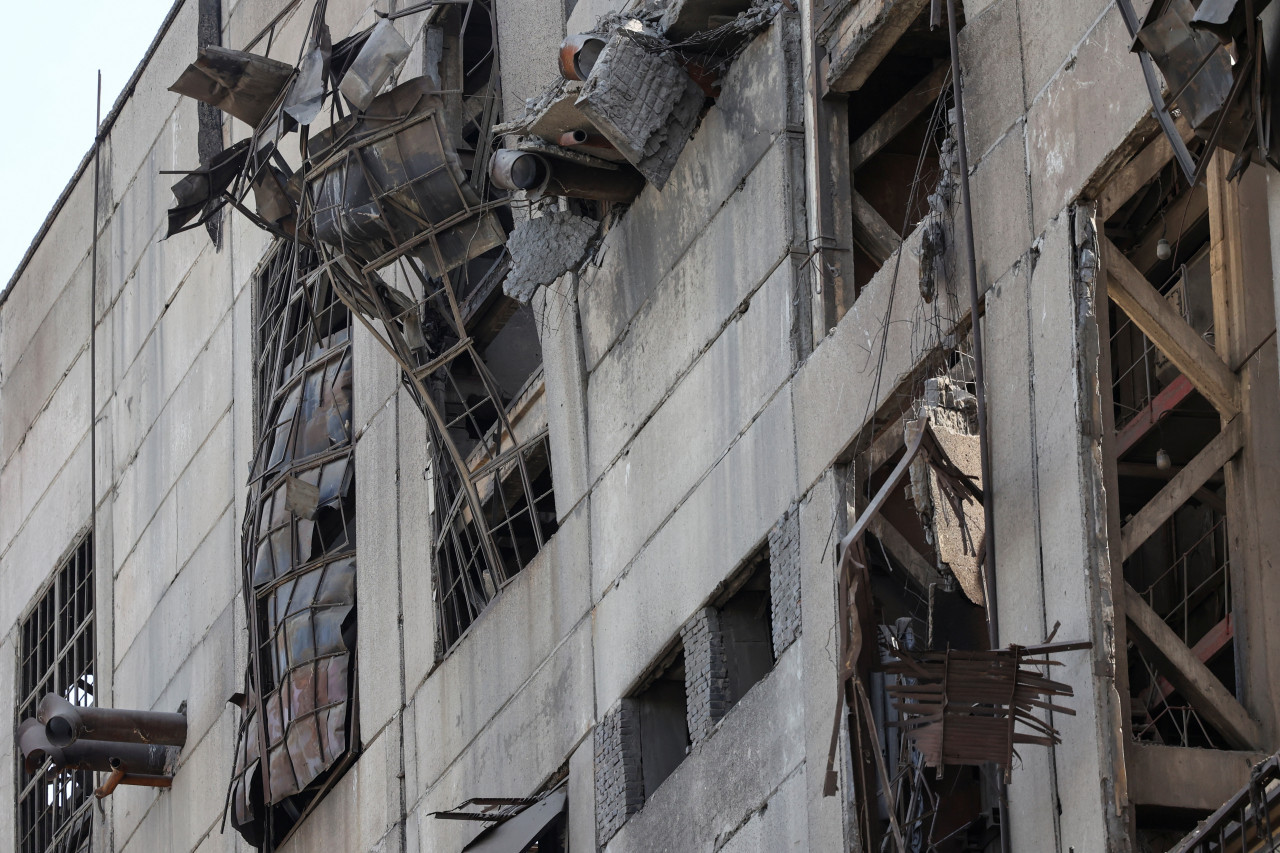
121, 776
524, 170
575, 181
578, 55
65, 723
580, 138
93, 755
109, 786
980, 389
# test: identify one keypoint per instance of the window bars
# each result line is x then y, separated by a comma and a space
57, 656
299, 550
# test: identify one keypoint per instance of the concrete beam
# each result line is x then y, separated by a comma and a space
1181, 488
1218, 774
1192, 678
860, 36
870, 231
1157, 319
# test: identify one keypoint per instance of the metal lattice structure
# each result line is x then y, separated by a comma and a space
387, 219
299, 542
57, 656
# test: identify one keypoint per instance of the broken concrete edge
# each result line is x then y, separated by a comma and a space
544, 248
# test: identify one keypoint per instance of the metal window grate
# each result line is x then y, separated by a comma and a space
56, 656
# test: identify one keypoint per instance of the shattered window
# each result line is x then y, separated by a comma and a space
56, 655
299, 543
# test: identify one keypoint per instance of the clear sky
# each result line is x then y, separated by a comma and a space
49, 66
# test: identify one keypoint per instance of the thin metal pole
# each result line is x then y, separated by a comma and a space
93, 320
980, 390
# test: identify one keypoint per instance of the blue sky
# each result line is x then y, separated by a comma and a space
50, 63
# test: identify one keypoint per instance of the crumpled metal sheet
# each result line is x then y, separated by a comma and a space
240, 84
384, 51
299, 545
387, 184
201, 186
1194, 62
307, 94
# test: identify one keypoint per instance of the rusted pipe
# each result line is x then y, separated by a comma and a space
92, 754
108, 787
121, 776
65, 723
524, 170
578, 55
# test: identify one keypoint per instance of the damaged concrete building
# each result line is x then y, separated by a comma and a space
654, 425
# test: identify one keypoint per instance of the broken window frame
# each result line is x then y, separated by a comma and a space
891, 798
414, 265
516, 825
303, 362
56, 654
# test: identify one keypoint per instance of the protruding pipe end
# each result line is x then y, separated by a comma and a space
518, 170
62, 722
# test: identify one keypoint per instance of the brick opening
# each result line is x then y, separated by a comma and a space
661, 711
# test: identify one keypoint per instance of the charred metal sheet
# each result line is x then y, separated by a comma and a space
529, 825
1193, 61
381, 54
386, 185
964, 708
306, 96
240, 84
205, 186
1218, 60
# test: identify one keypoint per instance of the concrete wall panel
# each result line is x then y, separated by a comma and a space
725, 518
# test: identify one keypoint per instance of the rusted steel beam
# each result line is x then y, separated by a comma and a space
1161, 406
1206, 649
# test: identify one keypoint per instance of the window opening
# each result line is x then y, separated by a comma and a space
56, 655
898, 125
662, 713
746, 629
299, 731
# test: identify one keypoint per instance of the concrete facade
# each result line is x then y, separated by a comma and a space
703, 406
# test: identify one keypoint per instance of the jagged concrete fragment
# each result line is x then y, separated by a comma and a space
543, 249
642, 102
954, 528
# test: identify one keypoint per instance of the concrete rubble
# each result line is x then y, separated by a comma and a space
543, 248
